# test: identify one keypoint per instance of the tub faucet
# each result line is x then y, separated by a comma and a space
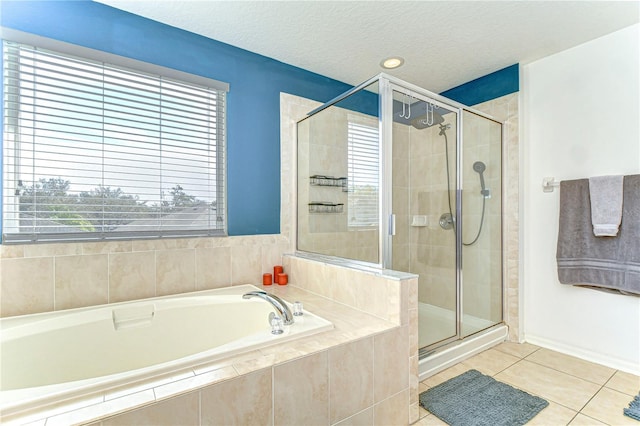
278, 304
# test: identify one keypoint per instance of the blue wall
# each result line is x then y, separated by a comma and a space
253, 111
491, 86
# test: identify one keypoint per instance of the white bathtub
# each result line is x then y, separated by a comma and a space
49, 357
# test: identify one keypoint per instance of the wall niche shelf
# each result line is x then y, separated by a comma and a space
320, 180
325, 207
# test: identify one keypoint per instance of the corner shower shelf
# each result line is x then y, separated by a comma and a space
324, 207
320, 180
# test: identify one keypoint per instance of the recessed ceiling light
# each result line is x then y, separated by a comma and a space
392, 62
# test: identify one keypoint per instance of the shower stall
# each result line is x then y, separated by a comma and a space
393, 176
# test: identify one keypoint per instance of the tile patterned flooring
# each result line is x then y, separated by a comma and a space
579, 392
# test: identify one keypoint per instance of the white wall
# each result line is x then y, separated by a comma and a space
581, 118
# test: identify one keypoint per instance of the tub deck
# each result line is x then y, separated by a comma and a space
349, 325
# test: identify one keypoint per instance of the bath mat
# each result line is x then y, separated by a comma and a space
634, 408
473, 399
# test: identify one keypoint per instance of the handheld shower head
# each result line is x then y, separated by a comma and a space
480, 167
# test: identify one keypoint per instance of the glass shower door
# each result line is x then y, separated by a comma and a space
424, 203
482, 223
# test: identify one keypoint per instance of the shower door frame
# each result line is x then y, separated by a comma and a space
387, 86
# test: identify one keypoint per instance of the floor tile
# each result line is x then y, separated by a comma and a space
608, 405
445, 375
430, 420
571, 365
553, 414
625, 383
582, 420
550, 384
491, 362
520, 350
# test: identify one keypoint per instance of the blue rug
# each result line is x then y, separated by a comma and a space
473, 399
634, 408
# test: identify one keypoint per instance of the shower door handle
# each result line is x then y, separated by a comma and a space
392, 224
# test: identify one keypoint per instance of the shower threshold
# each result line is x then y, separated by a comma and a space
453, 353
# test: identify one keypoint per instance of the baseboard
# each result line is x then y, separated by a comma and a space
606, 360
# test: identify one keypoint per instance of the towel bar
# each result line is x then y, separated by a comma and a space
549, 183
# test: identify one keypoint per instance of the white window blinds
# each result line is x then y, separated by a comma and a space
363, 176
95, 151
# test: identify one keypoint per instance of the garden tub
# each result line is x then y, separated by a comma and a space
49, 357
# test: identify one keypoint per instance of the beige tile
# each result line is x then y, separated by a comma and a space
607, 406
550, 384
571, 365
246, 265
491, 361
350, 379
106, 247
430, 420
624, 382
132, 276
521, 350
175, 271
393, 410
26, 296
10, 251
45, 250
445, 375
182, 410
363, 418
582, 420
391, 363
213, 267
245, 400
81, 280
552, 414
301, 391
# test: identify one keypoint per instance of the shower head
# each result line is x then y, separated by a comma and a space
422, 122
479, 167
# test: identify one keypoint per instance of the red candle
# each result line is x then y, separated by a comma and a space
277, 270
283, 279
267, 279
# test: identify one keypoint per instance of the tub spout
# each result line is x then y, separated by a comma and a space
278, 304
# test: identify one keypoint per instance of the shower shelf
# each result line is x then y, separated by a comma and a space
324, 207
319, 180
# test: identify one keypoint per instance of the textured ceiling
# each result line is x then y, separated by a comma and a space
444, 43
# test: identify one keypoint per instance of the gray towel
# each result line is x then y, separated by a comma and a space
605, 193
604, 263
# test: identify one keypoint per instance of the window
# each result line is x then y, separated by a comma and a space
94, 151
363, 177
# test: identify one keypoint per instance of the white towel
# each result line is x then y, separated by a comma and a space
606, 204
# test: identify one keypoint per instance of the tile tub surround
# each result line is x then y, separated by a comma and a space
49, 277
360, 369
